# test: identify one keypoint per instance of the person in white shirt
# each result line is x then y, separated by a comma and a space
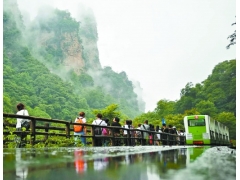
181, 134
21, 111
21, 123
158, 135
145, 127
100, 122
128, 125
138, 134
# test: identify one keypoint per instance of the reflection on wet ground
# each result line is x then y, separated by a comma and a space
120, 163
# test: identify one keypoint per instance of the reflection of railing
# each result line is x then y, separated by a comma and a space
67, 131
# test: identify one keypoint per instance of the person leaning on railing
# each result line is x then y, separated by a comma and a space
116, 131
158, 135
164, 136
22, 123
138, 135
105, 132
145, 127
78, 135
99, 122
181, 138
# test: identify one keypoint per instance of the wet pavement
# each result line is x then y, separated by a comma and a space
121, 163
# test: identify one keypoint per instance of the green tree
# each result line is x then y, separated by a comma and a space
175, 120
152, 117
232, 38
7, 104
192, 111
110, 112
165, 107
37, 112
187, 100
207, 107
228, 119
220, 86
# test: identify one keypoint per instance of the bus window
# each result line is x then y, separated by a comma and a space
200, 122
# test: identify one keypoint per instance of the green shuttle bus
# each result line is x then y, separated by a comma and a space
203, 130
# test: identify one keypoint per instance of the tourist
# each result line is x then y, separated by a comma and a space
145, 127
22, 124
98, 130
83, 132
116, 131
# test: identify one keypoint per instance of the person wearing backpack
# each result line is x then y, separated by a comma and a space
138, 134
98, 130
105, 132
80, 130
128, 125
145, 127
116, 132
171, 137
164, 135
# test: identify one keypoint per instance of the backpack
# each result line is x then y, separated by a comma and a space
104, 131
78, 128
98, 130
175, 131
138, 133
150, 139
171, 131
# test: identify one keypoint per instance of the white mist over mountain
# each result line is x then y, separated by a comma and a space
162, 44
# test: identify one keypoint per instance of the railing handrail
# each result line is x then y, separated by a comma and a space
69, 129
35, 118
74, 123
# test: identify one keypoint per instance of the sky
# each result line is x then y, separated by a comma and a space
160, 43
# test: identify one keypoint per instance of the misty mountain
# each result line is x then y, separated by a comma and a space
51, 64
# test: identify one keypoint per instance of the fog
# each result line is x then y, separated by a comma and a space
161, 44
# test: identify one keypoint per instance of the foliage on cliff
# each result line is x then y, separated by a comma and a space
44, 67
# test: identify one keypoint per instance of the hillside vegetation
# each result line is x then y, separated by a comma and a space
48, 66
215, 96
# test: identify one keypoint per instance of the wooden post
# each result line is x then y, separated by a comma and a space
46, 130
153, 137
128, 137
160, 140
93, 136
113, 137
167, 138
142, 138
68, 130
33, 136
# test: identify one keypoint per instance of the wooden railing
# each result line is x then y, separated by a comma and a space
67, 131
